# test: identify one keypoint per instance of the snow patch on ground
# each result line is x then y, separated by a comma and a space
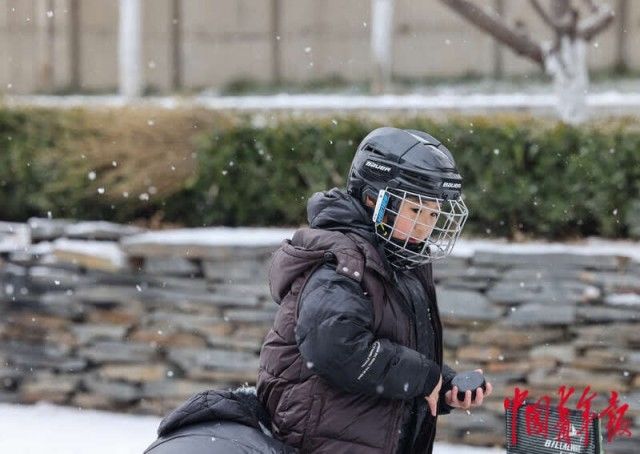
46, 428
246, 236
212, 236
611, 101
589, 246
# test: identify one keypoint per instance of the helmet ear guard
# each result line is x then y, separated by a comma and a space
368, 193
381, 206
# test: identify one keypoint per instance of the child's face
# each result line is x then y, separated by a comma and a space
415, 220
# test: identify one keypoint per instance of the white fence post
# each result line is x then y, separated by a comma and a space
130, 49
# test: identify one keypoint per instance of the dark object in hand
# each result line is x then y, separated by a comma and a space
469, 381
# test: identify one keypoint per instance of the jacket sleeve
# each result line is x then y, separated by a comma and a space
334, 335
447, 376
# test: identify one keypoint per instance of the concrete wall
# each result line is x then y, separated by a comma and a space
229, 40
98, 315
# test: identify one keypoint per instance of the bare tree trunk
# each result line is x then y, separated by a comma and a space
130, 49
568, 67
382, 43
75, 50
176, 45
565, 60
622, 36
276, 53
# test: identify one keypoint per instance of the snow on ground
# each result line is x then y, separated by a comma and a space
46, 428
606, 102
588, 246
212, 236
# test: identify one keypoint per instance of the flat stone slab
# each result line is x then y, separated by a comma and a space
14, 236
248, 270
59, 304
170, 298
10, 397
190, 358
169, 388
172, 266
608, 314
512, 337
55, 278
250, 316
171, 321
465, 305
177, 283
258, 290
464, 284
137, 373
599, 382
33, 254
549, 260
47, 229
112, 390
564, 353
614, 282
235, 344
45, 385
544, 292
542, 274
483, 273
610, 358
54, 357
101, 255
100, 230
623, 299
118, 352
533, 314
212, 242
90, 332
108, 295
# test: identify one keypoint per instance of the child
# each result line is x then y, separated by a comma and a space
353, 363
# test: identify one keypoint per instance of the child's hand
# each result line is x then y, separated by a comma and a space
432, 399
451, 397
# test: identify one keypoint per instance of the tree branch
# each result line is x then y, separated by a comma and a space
591, 5
491, 23
594, 24
555, 23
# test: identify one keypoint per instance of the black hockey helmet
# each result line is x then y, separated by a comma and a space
394, 166
403, 159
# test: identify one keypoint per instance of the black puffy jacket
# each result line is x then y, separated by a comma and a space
355, 347
218, 422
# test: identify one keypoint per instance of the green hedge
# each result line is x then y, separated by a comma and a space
522, 176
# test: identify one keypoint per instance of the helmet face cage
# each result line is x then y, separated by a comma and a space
400, 214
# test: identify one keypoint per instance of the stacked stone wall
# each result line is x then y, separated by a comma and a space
99, 315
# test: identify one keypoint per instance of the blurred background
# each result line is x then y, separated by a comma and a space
153, 154
240, 46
